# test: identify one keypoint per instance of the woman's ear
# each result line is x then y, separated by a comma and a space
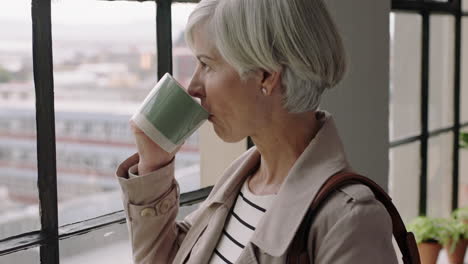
271, 81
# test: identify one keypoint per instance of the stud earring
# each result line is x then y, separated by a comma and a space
264, 90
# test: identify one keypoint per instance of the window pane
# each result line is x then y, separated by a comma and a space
104, 66
405, 170
110, 244
439, 175
465, 5
106, 245
464, 72
184, 62
441, 71
463, 176
29, 256
18, 160
405, 75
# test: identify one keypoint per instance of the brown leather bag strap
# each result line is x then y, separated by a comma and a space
298, 253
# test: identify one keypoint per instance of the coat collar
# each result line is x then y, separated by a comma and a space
323, 157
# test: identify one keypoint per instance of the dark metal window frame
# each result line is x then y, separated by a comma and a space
425, 9
48, 237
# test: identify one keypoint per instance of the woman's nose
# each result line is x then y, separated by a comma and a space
195, 89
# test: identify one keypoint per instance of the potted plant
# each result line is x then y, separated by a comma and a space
461, 214
429, 234
457, 243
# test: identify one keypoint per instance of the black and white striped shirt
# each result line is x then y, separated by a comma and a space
240, 225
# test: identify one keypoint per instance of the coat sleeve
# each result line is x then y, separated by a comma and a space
151, 204
361, 234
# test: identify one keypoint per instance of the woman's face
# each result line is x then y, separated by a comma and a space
236, 106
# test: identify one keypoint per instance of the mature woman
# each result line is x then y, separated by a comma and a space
262, 68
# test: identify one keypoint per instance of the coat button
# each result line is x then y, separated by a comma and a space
146, 212
164, 206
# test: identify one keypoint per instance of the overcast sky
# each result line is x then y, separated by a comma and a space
91, 12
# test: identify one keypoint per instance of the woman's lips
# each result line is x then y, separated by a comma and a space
210, 117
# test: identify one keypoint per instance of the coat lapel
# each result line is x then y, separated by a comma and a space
202, 251
207, 228
323, 157
232, 179
193, 234
247, 256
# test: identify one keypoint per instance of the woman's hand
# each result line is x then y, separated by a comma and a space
152, 156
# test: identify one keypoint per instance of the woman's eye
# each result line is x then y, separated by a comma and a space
203, 65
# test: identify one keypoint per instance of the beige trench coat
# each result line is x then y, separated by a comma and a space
352, 227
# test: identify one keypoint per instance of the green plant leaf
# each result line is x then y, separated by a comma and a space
424, 229
463, 139
443, 230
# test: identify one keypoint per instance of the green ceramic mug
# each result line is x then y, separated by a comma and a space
169, 115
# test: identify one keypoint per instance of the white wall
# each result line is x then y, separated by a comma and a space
360, 103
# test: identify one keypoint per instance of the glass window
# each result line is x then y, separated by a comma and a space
19, 210
439, 175
184, 61
405, 171
104, 66
441, 71
464, 72
465, 5
99, 64
405, 75
463, 175
108, 245
29, 256
188, 158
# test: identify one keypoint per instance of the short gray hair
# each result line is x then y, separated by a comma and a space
298, 35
